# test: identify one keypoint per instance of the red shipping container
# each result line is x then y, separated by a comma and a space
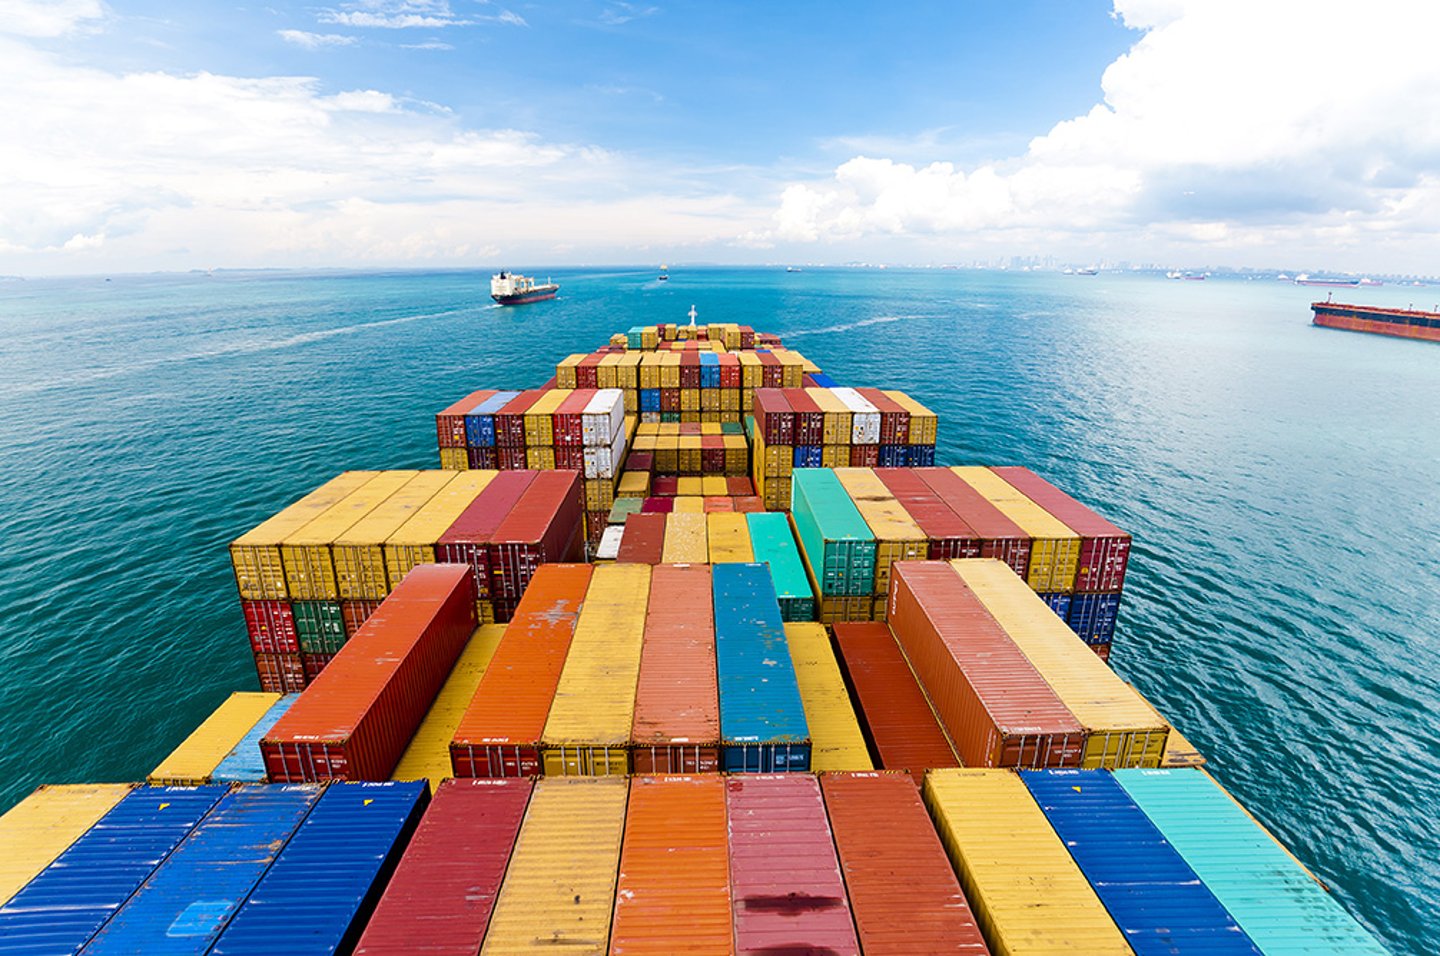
587, 374
669, 399
467, 540
712, 460
570, 457
280, 673
747, 337
442, 894
499, 733
809, 419
950, 537
676, 726
902, 889
785, 881
739, 486
749, 503
510, 419
567, 425
731, 375
1104, 548
271, 627
893, 708
644, 539
356, 719
640, 461
772, 373
544, 526
314, 664
482, 456
658, 506
450, 423
774, 416
690, 370
1102, 650
690, 428
864, 456
717, 505
1000, 538
355, 613
894, 418
664, 486
997, 708
511, 458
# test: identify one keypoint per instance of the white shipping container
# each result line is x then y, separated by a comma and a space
609, 547
606, 462
603, 418
865, 422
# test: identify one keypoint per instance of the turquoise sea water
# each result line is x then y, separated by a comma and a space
1281, 483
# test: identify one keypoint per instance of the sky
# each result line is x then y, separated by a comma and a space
141, 135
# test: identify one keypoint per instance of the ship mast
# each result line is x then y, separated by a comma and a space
692, 316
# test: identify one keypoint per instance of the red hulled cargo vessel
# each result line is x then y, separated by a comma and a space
1402, 323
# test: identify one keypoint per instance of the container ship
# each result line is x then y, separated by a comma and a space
1403, 323
692, 648
507, 288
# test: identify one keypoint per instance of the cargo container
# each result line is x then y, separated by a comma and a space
467, 539
923, 422
673, 893
480, 419
947, 534
1026, 892
255, 555
686, 540
1093, 616
1153, 896
897, 536
1054, 548
676, 727
317, 895
762, 719
773, 544
39, 828
195, 759
999, 537
450, 421
67, 903
359, 553
356, 719
644, 539
997, 709
790, 901
306, 553
270, 626
894, 710
559, 890
414, 541
1104, 548
1275, 900
244, 763
728, 539
588, 729
189, 898
428, 755
280, 673
834, 539
1180, 752
836, 742
545, 526
446, 884
903, 893
499, 733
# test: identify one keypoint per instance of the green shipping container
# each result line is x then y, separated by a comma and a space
773, 544
837, 542
319, 626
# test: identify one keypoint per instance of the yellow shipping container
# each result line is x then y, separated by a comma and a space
752, 371
648, 428
1026, 891
730, 400
627, 371
689, 399
42, 826
792, 368
1180, 752
428, 756
599, 493
360, 553
1054, 548
714, 486
710, 399
634, 484
559, 888
259, 570
923, 422
565, 371
414, 541
835, 456
836, 742
690, 458
670, 370
689, 485
685, 539
309, 568
689, 504
588, 731
834, 609
192, 763
729, 538
539, 418
650, 370
667, 454
837, 420
607, 372
540, 457
454, 459
1123, 729
897, 536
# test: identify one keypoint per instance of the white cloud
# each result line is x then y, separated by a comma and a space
1226, 121
394, 14
314, 41
48, 18
620, 13
512, 18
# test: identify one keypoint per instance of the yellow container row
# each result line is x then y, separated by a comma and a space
685, 454
195, 759
686, 538
428, 756
631, 371
728, 538
39, 828
1054, 548
836, 741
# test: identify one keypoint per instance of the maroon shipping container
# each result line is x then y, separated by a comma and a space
544, 526
864, 456
809, 419
894, 418
567, 422
640, 461
511, 458
996, 707
271, 627
785, 881
1104, 548
774, 416
893, 709
950, 537
1000, 538
443, 892
482, 456
690, 369
658, 506
467, 540
450, 423
587, 373
357, 717
510, 419
1102, 651
280, 673
664, 486
902, 889
772, 373
313, 664
644, 539
570, 457
355, 613
731, 375
669, 399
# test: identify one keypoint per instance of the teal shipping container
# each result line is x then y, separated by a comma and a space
773, 544
836, 541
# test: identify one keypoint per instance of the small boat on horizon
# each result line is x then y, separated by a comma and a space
507, 288
664, 273
1305, 278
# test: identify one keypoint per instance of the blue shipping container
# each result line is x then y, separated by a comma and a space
649, 399
894, 456
1059, 603
480, 420
244, 764
824, 381
1272, 898
762, 721
1092, 616
325, 883
190, 897
809, 456
70, 900
921, 456
1150, 892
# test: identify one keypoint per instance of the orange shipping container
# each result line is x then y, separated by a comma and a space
676, 728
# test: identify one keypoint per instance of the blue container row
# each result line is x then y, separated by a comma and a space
1092, 616
762, 720
292, 868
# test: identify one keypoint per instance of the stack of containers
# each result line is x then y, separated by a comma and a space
837, 545
450, 430
762, 719
468, 539
676, 727
198, 756
773, 544
1054, 548
688, 449
481, 447
897, 536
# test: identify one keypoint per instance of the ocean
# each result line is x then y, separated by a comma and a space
1283, 602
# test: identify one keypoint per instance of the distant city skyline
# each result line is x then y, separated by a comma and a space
143, 135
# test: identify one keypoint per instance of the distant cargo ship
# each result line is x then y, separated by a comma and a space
1403, 323
507, 288
1306, 279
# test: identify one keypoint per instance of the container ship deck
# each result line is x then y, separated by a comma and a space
692, 648
1401, 323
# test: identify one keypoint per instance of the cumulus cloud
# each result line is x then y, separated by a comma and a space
1225, 119
314, 41
48, 18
